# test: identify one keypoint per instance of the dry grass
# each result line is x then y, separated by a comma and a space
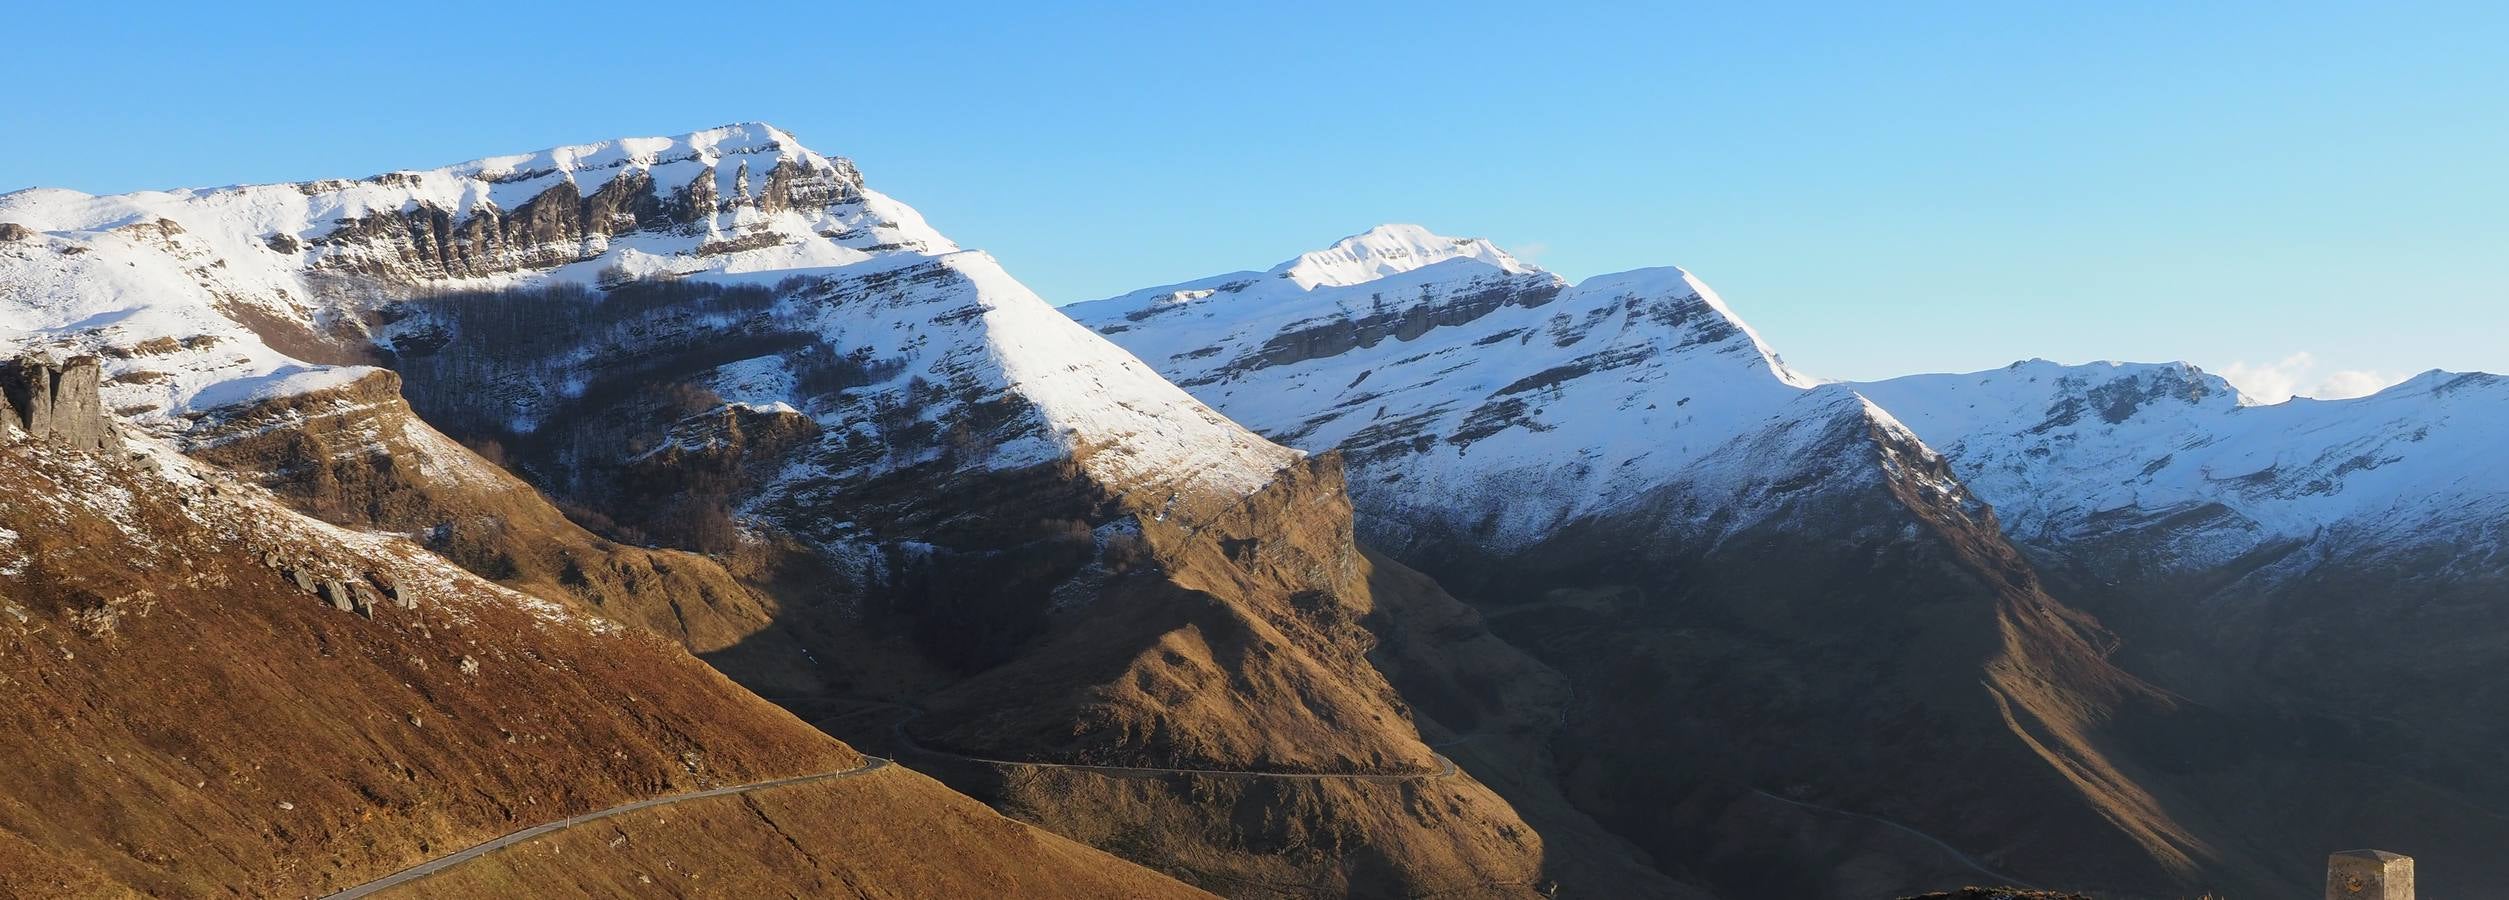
228, 732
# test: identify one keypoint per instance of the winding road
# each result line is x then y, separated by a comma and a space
907, 742
441, 863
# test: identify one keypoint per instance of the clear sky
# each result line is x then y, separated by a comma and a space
2292, 192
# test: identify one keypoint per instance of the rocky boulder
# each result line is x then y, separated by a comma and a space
12, 231
57, 402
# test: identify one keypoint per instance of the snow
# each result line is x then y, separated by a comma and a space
12, 560
1676, 375
762, 382
1388, 250
1092, 393
105, 274
2405, 465
1696, 396
287, 381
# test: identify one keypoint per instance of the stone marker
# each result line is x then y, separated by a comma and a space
2369, 875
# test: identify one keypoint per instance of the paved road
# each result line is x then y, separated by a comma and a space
441, 863
907, 742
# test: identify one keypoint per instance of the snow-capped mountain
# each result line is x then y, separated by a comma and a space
2072, 456
909, 480
1633, 486
207, 298
1475, 392
1472, 392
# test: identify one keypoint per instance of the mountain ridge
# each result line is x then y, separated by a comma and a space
1737, 540
814, 441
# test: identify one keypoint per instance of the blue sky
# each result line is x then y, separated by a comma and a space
2289, 191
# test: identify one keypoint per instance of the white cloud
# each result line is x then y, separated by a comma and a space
2297, 375
2350, 383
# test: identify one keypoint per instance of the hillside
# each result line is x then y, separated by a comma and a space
208, 693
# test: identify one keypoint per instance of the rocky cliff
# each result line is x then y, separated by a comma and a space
55, 402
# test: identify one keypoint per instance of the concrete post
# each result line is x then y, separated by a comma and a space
2369, 875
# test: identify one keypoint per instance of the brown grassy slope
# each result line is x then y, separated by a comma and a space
1237, 646
179, 718
811, 840
1278, 838
1451, 837
1232, 640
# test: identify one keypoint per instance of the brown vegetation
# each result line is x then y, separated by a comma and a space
825, 839
181, 718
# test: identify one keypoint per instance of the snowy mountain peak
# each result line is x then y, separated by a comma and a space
1467, 389
1389, 250
2072, 453
2438, 383
756, 145
202, 299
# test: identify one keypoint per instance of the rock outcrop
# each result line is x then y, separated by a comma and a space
561, 224
45, 400
12, 231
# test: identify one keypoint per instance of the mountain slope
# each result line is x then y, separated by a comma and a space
1628, 484
1446, 370
1849, 613
208, 693
2081, 455
906, 479
2333, 563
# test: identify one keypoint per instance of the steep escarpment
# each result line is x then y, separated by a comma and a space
355, 455
553, 221
191, 710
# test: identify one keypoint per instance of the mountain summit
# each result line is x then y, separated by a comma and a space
250, 291
1453, 375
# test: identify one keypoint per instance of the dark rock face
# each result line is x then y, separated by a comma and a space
55, 402
12, 231
560, 225
1341, 334
2116, 401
